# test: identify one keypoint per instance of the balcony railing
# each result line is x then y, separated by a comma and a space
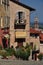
19, 24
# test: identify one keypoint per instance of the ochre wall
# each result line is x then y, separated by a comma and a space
36, 42
14, 8
41, 48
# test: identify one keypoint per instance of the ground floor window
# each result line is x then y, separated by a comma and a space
41, 42
20, 41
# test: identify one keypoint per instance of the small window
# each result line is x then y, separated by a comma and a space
41, 42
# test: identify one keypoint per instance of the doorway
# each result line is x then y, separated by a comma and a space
4, 40
20, 41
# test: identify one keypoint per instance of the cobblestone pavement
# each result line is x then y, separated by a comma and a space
20, 62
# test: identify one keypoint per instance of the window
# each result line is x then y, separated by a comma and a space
6, 1
41, 42
1, 22
5, 22
20, 21
31, 34
20, 16
6, 4
0, 2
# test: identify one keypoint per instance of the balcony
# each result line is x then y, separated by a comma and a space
19, 24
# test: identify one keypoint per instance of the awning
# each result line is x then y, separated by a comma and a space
20, 34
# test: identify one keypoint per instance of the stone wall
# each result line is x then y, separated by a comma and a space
36, 42
14, 8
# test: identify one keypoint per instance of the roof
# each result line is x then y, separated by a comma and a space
23, 5
33, 31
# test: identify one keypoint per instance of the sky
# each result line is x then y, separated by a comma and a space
38, 5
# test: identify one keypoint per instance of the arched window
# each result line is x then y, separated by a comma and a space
20, 16
20, 22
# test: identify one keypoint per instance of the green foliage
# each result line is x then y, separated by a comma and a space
18, 53
23, 52
27, 46
0, 47
10, 51
40, 56
24, 55
7, 52
3, 53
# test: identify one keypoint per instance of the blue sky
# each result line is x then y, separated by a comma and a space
38, 5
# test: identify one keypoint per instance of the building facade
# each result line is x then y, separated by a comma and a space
34, 38
19, 24
5, 16
4, 22
15, 23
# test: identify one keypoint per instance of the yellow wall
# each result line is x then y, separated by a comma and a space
36, 42
14, 8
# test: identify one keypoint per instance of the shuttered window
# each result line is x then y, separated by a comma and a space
6, 1
4, 22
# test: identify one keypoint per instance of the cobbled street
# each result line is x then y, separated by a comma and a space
20, 62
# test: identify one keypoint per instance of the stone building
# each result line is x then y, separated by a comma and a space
41, 42
34, 38
4, 22
19, 23
15, 24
